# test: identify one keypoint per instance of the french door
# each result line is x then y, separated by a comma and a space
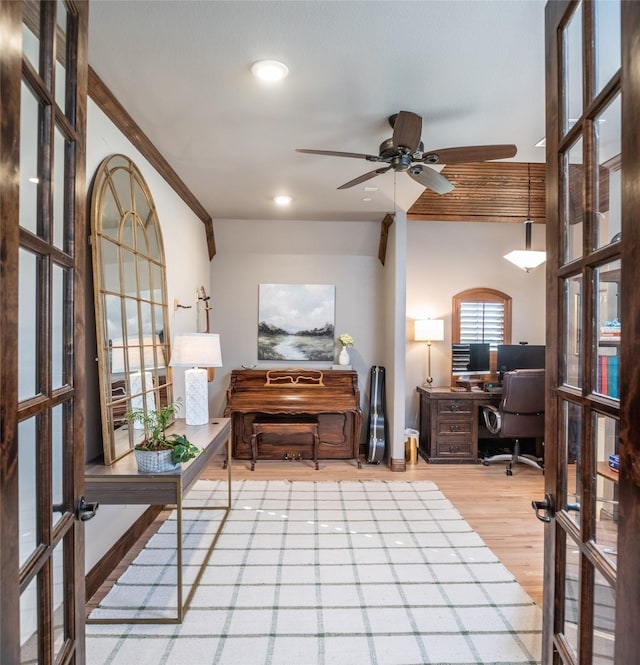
43, 81
592, 539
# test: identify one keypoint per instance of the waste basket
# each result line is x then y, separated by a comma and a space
411, 446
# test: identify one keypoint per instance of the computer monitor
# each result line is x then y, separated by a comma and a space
470, 359
519, 356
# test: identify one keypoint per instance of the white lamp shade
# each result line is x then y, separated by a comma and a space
196, 350
527, 259
428, 330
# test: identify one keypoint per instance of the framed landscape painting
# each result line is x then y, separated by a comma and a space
296, 322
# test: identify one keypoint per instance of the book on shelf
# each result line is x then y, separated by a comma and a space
608, 376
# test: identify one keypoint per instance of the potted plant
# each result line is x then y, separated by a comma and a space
158, 451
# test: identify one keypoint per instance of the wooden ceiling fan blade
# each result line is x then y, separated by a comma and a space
365, 177
335, 153
471, 153
407, 129
431, 179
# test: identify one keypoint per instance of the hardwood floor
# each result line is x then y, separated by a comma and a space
496, 506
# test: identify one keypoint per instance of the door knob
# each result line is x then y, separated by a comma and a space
546, 509
84, 510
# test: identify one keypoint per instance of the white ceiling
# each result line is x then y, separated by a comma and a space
473, 69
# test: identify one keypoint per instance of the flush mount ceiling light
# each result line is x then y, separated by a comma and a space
527, 259
269, 70
282, 200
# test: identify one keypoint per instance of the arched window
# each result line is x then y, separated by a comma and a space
482, 315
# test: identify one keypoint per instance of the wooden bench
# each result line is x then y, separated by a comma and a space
285, 427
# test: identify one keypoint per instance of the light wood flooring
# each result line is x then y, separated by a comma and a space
496, 506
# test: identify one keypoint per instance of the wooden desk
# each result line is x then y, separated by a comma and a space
449, 424
122, 484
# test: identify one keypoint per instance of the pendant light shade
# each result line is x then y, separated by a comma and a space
527, 259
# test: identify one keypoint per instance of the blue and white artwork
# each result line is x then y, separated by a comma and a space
296, 322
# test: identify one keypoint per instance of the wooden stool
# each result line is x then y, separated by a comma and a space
285, 427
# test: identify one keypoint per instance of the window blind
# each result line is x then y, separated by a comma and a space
482, 322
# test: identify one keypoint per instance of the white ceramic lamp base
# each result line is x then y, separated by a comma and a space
196, 397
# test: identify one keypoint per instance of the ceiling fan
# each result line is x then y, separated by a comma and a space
404, 151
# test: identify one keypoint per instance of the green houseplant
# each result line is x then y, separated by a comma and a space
159, 451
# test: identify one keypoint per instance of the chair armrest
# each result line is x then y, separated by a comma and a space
492, 418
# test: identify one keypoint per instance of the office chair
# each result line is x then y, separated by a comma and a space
519, 415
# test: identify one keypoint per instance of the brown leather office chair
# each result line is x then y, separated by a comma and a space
520, 414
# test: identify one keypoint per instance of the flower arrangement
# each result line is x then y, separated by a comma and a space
345, 339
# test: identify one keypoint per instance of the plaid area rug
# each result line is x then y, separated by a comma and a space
322, 573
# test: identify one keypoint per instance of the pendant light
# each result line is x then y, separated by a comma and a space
527, 259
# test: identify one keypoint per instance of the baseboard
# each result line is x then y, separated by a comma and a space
397, 464
96, 577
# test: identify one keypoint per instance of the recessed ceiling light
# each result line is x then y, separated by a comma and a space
367, 198
269, 70
370, 189
282, 200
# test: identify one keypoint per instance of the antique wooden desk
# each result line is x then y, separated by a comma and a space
121, 483
449, 423
286, 395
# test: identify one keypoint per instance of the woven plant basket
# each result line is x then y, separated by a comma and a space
154, 461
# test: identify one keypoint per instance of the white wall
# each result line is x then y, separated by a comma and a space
187, 263
444, 258
254, 252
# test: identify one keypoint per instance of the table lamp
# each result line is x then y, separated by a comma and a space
428, 330
196, 350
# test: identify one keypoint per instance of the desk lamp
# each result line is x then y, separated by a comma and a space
197, 351
428, 330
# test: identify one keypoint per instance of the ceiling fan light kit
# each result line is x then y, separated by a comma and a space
404, 152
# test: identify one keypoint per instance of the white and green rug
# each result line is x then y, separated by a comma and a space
323, 573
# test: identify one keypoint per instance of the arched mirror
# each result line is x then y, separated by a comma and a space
131, 302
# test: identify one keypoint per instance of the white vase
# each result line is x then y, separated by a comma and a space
343, 358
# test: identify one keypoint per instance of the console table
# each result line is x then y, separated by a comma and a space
449, 424
121, 483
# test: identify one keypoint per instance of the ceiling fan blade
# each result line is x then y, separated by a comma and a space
366, 176
407, 129
431, 179
335, 153
471, 153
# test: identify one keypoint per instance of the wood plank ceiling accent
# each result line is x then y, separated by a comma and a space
485, 192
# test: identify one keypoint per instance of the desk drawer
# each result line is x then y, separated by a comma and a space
453, 448
461, 406
449, 426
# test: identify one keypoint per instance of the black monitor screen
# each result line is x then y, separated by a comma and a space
519, 356
470, 359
